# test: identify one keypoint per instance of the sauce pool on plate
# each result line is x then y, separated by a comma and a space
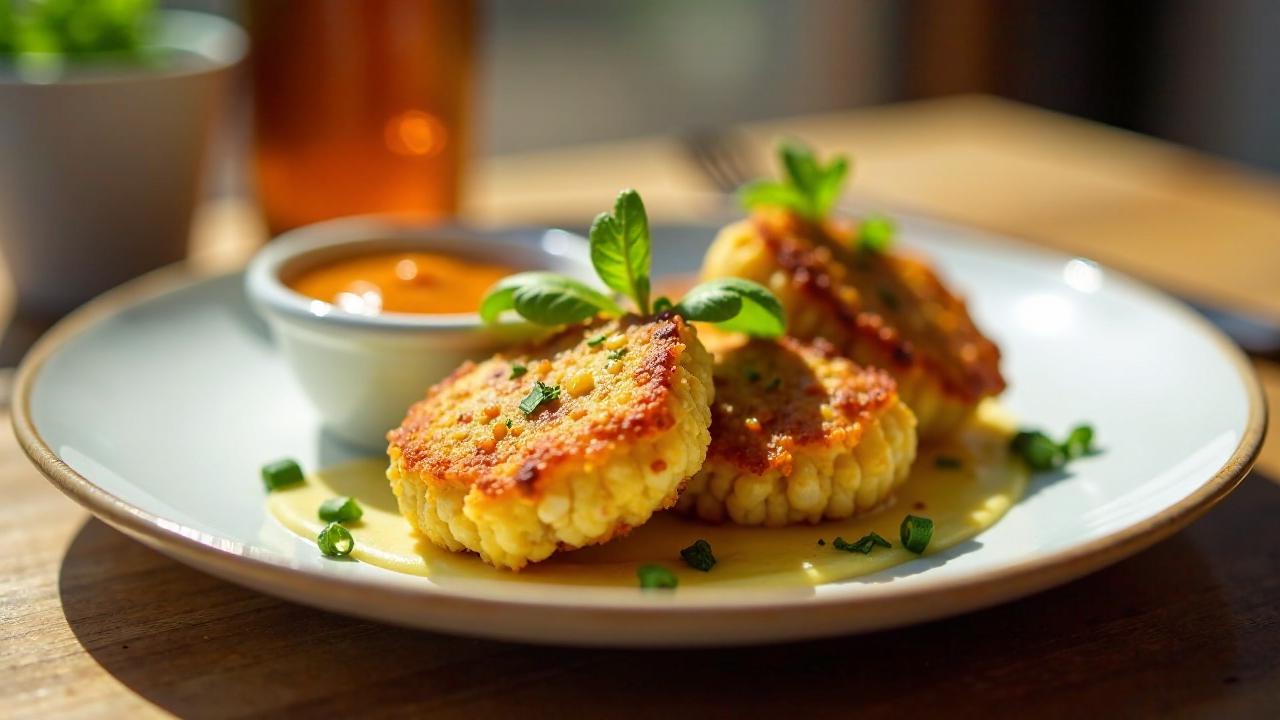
401, 282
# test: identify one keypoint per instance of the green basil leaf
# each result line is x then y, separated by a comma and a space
771, 194
709, 303
758, 312
828, 190
544, 298
558, 300
802, 168
620, 248
875, 233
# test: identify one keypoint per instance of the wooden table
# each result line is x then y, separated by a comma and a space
94, 624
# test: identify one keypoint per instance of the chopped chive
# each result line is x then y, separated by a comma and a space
281, 474
863, 545
698, 556
1079, 442
888, 298
335, 541
340, 509
916, 533
753, 376
774, 384
1038, 450
541, 393
598, 340
946, 462
617, 354
655, 576
516, 371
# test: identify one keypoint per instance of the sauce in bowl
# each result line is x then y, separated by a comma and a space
401, 282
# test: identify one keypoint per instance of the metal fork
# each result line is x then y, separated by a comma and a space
727, 161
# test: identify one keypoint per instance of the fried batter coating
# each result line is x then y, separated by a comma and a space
623, 421
881, 309
799, 434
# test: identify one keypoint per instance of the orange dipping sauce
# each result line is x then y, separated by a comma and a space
401, 282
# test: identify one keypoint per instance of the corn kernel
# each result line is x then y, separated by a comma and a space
614, 366
517, 431
616, 342
577, 413
460, 434
543, 367
487, 444
491, 412
827, 412
499, 431
752, 424
581, 384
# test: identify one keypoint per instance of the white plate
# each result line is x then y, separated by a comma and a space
156, 405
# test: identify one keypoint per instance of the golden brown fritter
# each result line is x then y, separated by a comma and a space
883, 309
798, 434
472, 470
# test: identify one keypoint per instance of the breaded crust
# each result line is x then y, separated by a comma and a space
882, 309
472, 470
799, 434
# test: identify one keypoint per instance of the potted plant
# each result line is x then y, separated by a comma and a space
106, 108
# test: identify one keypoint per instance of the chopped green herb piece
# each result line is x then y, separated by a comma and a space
662, 304
655, 576
753, 376
774, 384
509, 423
617, 354
541, 393
946, 462
809, 187
598, 340
863, 545
1079, 442
1038, 450
821, 542
916, 533
698, 556
335, 540
340, 509
875, 234
281, 474
517, 371
888, 298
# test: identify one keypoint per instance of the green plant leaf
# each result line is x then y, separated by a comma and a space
802, 168
767, 192
875, 233
828, 191
620, 248
809, 188
545, 298
756, 312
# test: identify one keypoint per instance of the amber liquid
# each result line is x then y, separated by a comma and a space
359, 107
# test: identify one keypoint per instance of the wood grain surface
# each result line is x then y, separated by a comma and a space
93, 624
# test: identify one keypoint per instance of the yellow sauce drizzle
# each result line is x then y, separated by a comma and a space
961, 501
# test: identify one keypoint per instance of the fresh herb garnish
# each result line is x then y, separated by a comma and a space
863, 545
517, 370
875, 233
946, 462
662, 304
620, 252
821, 542
509, 423
1040, 452
281, 474
655, 576
698, 556
916, 532
598, 340
541, 393
335, 540
616, 354
340, 509
809, 188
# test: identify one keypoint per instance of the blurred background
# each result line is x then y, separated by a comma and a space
345, 107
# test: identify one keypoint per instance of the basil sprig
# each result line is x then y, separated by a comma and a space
621, 252
809, 188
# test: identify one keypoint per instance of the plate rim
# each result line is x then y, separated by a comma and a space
233, 560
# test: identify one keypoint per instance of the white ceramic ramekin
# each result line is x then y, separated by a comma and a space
362, 372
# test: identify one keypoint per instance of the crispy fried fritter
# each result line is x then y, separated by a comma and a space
881, 309
799, 434
629, 424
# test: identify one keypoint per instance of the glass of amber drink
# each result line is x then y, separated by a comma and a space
360, 107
